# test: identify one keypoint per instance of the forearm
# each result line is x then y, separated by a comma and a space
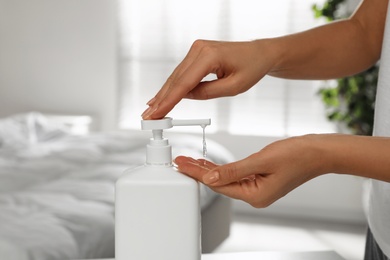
334, 50
364, 156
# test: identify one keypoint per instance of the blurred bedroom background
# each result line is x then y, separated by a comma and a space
106, 59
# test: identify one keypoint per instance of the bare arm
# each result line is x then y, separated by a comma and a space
364, 156
264, 177
330, 51
334, 50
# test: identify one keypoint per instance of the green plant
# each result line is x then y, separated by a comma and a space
329, 10
352, 100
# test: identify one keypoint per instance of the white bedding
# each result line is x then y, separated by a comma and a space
57, 190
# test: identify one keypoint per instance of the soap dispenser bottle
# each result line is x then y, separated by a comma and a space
157, 209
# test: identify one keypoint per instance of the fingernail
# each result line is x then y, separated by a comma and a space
150, 102
149, 112
211, 177
175, 164
146, 111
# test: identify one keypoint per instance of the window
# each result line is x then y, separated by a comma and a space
156, 35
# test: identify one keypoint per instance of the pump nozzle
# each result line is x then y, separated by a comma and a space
164, 123
188, 122
159, 150
168, 122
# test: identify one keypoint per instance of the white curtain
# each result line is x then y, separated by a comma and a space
155, 35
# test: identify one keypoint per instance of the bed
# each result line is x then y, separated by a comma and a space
57, 188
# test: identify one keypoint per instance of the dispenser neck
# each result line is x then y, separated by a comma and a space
158, 151
157, 134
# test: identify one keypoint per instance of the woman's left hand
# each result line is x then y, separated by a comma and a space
263, 177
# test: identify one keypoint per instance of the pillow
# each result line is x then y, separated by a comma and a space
25, 129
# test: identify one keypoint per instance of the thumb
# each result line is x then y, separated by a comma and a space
232, 172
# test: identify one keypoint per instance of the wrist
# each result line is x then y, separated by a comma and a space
269, 52
322, 153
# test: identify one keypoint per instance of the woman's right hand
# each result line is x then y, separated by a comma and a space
237, 65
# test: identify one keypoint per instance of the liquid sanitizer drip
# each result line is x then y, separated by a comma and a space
204, 142
157, 209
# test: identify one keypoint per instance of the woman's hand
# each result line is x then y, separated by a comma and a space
237, 65
346, 47
263, 177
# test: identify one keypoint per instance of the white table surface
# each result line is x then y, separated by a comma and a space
325, 255
321, 255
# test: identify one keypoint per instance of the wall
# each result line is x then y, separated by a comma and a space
59, 57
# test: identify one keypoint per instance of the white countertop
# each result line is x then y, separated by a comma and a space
321, 255
325, 255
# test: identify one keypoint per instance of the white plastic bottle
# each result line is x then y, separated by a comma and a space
157, 209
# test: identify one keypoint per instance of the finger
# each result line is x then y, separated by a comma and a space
253, 191
242, 190
223, 87
208, 164
180, 160
183, 65
182, 85
193, 168
234, 172
163, 92
184, 159
204, 62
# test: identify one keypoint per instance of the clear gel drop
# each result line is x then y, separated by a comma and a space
204, 142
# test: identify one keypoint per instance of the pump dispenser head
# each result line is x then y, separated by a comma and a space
159, 151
